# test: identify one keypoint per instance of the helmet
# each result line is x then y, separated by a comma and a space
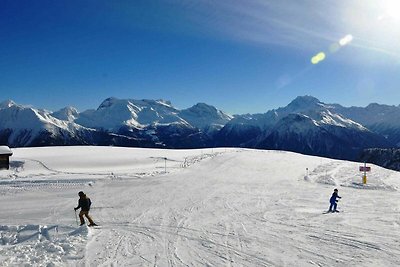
81, 193
335, 190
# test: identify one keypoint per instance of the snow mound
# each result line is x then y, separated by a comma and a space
326, 179
41, 245
346, 174
360, 185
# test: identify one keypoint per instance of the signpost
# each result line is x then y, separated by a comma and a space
365, 169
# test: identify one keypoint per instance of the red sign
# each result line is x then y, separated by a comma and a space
365, 169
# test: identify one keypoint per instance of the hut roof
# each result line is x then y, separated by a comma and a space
5, 150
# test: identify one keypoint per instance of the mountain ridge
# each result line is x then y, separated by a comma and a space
305, 125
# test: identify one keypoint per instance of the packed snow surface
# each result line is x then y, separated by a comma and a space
206, 207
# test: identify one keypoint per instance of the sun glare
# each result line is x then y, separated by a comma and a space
391, 9
346, 40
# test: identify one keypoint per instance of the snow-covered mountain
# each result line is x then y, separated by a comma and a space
326, 137
26, 126
156, 122
305, 125
205, 117
114, 113
382, 119
128, 122
23, 126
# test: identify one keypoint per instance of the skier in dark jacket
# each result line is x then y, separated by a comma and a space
333, 200
84, 203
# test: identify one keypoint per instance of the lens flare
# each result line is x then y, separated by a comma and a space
318, 58
346, 40
333, 48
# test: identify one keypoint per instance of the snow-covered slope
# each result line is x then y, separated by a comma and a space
220, 207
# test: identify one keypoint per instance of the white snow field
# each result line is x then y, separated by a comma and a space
209, 207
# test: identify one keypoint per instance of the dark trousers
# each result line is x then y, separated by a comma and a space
85, 213
334, 205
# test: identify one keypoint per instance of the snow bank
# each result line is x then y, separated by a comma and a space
41, 245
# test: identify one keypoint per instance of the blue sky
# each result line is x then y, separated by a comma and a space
242, 56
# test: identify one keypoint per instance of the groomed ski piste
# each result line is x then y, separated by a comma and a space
204, 207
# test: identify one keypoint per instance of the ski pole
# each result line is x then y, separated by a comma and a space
76, 218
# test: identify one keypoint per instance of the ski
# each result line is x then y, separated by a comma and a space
327, 212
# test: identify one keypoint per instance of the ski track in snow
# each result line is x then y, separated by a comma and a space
230, 207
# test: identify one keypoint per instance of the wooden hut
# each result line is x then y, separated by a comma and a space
5, 153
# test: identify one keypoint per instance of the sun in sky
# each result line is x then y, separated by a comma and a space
391, 10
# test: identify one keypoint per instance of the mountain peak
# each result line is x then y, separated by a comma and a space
7, 104
203, 116
66, 114
302, 103
203, 107
108, 102
206, 111
379, 107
